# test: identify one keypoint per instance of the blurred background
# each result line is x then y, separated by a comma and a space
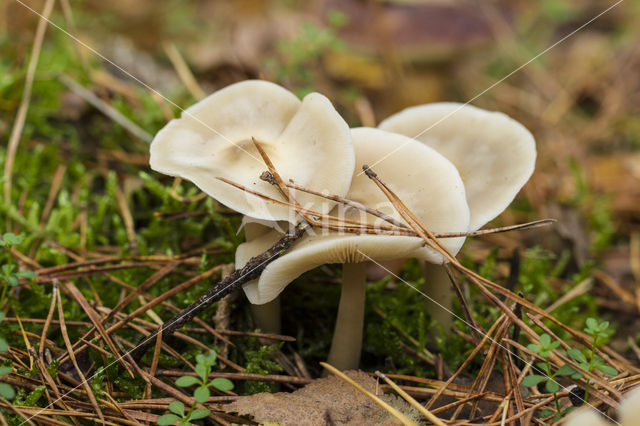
580, 99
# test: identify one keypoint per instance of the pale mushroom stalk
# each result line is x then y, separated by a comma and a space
437, 288
347, 336
267, 316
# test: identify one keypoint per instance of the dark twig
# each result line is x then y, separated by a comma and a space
249, 272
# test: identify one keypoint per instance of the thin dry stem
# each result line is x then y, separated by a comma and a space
18, 125
395, 413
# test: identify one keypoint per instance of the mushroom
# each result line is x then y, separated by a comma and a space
430, 186
628, 413
307, 141
494, 154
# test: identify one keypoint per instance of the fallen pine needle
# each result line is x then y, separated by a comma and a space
18, 126
415, 404
395, 413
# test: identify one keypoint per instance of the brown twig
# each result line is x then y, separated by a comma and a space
432, 418
67, 342
250, 271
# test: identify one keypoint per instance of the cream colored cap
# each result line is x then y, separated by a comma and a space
589, 417
424, 180
494, 154
307, 141
629, 410
628, 413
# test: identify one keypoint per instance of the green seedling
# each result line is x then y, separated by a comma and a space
588, 360
201, 394
6, 390
9, 272
299, 56
10, 277
544, 349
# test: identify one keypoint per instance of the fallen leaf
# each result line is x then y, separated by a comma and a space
324, 401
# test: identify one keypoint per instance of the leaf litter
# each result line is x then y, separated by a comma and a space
325, 400
118, 399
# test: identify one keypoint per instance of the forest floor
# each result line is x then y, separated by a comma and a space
98, 249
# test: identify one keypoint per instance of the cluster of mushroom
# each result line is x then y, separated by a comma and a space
455, 166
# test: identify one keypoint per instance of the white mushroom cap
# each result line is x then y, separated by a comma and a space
423, 179
259, 227
629, 410
494, 154
628, 413
307, 141
588, 417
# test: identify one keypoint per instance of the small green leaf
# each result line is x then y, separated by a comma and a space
201, 370
201, 394
545, 339
544, 354
167, 419
552, 386
546, 413
6, 391
26, 274
186, 381
544, 367
592, 324
177, 407
200, 359
533, 347
584, 366
5, 370
222, 384
565, 370
532, 380
4, 346
577, 355
576, 376
607, 369
199, 413
211, 357
2, 316
7, 269
10, 239
13, 280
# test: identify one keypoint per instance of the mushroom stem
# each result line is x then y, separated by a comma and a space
267, 316
347, 337
437, 286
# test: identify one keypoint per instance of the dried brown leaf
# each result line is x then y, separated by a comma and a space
328, 400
